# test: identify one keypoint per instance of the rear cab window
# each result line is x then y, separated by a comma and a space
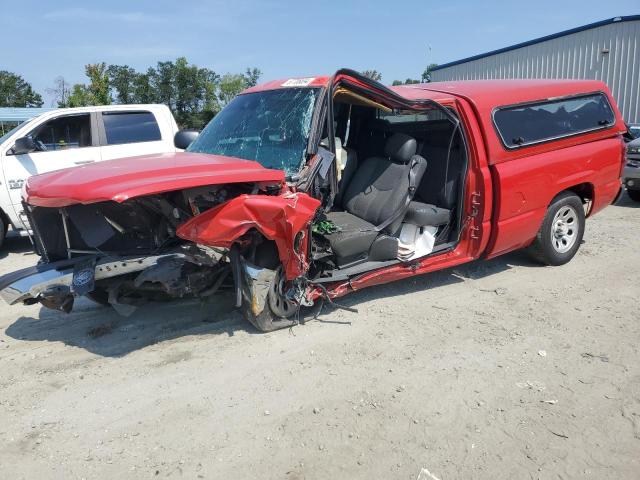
130, 127
537, 122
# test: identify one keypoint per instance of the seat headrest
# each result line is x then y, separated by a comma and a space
400, 147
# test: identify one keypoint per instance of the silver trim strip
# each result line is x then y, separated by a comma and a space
33, 285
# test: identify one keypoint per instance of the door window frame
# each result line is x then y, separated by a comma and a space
93, 125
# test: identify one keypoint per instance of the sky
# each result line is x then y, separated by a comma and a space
43, 40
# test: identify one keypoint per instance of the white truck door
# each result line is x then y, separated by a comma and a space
64, 141
130, 133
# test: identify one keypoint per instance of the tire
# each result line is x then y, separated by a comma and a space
561, 233
277, 312
634, 195
3, 230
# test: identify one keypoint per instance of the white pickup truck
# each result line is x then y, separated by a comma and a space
69, 137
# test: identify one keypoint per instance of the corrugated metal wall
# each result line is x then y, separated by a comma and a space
577, 55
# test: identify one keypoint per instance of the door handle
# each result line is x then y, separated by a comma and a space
83, 162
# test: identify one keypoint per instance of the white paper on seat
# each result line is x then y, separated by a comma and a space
415, 242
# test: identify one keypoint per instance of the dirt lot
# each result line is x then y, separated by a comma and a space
500, 369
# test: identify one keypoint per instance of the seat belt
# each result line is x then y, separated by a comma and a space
410, 193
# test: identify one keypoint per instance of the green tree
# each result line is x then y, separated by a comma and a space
426, 75
251, 76
80, 96
122, 82
163, 82
143, 91
98, 83
230, 86
373, 75
15, 91
408, 81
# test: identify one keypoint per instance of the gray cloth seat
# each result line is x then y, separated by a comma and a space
354, 234
436, 195
377, 190
424, 214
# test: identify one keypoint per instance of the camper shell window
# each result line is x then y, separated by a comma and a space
532, 123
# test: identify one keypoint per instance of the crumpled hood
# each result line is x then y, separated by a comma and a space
125, 178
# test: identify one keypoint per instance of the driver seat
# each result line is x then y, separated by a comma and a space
377, 190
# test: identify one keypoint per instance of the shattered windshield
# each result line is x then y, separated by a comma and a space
270, 127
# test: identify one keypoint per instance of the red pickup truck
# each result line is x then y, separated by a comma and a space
306, 189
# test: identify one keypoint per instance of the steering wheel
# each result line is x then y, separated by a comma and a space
40, 146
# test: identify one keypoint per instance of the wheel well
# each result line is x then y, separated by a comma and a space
586, 193
5, 219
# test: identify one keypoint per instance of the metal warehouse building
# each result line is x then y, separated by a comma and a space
607, 51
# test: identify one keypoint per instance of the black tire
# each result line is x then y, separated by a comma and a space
267, 320
3, 230
99, 296
634, 195
561, 233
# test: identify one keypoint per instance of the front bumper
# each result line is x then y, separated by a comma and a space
28, 284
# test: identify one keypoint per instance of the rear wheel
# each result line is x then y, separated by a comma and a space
634, 195
561, 232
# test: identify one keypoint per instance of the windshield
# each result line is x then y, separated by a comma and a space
270, 127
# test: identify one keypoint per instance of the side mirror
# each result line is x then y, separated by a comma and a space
184, 138
24, 145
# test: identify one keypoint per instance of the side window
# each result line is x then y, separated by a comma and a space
533, 123
62, 133
130, 127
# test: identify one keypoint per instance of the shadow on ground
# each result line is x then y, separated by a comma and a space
102, 331
625, 201
16, 245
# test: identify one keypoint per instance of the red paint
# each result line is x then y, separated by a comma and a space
506, 193
122, 179
278, 218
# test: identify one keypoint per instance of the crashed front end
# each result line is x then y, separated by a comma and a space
240, 238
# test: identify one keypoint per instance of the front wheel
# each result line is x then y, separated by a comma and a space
278, 312
561, 232
3, 231
634, 195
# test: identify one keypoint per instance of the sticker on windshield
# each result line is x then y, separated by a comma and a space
298, 82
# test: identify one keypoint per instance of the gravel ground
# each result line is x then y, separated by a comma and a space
498, 369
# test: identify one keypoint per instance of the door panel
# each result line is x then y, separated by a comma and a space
65, 141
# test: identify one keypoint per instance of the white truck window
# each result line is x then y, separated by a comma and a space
62, 133
130, 127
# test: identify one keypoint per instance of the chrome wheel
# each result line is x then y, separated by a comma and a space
564, 229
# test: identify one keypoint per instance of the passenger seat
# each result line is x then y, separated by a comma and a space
378, 189
437, 193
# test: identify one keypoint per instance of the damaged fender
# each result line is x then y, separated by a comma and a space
279, 218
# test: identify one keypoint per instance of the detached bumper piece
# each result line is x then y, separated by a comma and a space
55, 284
